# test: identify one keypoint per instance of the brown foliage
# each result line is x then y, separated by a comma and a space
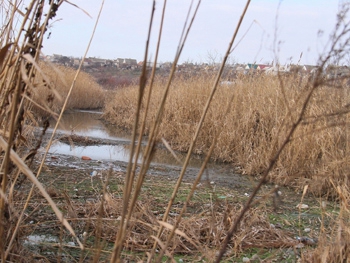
86, 94
255, 126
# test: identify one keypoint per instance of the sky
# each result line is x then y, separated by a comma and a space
272, 30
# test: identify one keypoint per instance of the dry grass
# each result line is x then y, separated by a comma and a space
290, 129
21, 75
254, 128
87, 94
200, 234
334, 246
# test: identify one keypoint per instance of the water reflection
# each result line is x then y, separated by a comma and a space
96, 152
89, 124
117, 153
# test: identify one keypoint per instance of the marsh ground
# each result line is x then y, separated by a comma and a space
275, 229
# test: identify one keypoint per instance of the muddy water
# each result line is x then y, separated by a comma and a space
89, 124
114, 149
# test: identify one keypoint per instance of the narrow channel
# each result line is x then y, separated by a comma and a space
89, 124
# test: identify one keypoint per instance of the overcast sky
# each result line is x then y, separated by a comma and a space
122, 30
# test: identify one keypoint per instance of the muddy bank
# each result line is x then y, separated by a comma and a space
215, 174
222, 177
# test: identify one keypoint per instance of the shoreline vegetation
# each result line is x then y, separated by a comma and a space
285, 129
49, 97
254, 127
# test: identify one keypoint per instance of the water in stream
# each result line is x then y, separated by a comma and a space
88, 124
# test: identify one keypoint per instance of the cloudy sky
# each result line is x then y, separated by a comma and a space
270, 29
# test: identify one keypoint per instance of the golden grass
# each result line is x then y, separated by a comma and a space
25, 82
266, 123
255, 126
334, 247
87, 93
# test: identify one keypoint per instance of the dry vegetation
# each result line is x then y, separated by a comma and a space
87, 94
289, 129
255, 126
201, 231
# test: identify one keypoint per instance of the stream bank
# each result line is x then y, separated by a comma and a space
83, 134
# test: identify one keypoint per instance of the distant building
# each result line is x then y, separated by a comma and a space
98, 62
125, 63
166, 65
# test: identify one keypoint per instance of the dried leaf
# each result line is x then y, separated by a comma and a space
177, 231
305, 190
78, 7
167, 145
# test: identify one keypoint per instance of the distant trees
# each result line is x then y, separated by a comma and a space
64, 61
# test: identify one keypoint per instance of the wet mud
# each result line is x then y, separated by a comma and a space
84, 134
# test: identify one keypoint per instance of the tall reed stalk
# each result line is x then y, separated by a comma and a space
285, 129
19, 59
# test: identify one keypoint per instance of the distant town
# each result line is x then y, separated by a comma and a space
92, 64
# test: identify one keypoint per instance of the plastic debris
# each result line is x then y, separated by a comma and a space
307, 241
302, 206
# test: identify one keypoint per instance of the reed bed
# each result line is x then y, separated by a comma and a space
87, 93
287, 129
255, 125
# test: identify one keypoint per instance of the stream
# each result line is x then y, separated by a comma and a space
88, 124
115, 148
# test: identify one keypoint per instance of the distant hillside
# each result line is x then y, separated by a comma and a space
113, 78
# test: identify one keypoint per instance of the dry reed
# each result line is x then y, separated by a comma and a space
255, 126
290, 129
21, 75
87, 94
334, 243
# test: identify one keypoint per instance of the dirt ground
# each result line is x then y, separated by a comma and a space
276, 228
